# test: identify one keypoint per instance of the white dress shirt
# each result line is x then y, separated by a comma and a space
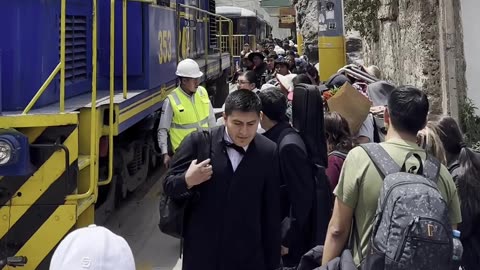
234, 156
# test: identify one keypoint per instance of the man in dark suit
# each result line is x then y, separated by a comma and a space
297, 178
233, 218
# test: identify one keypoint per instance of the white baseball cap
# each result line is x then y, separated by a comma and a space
95, 248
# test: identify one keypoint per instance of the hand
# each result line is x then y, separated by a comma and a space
283, 251
166, 160
377, 110
198, 173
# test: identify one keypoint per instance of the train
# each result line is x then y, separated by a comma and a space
248, 27
81, 89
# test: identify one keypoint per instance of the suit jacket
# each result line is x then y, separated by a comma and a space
233, 218
297, 196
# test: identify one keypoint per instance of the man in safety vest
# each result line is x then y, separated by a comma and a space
186, 109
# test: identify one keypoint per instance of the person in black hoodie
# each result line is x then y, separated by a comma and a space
297, 180
464, 165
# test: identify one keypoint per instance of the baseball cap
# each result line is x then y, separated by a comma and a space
95, 248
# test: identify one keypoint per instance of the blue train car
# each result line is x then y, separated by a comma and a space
78, 109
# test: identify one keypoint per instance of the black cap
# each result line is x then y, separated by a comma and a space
253, 54
337, 80
281, 61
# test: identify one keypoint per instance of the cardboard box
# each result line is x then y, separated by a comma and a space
352, 105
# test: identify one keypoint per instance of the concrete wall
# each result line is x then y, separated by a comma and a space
470, 11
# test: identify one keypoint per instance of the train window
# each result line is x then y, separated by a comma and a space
252, 25
242, 26
164, 3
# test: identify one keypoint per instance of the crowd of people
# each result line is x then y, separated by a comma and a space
247, 184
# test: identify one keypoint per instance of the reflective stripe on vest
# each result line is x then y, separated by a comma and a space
188, 116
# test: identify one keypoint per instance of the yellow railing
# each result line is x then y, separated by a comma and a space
112, 77
124, 48
59, 68
220, 20
237, 43
112, 86
93, 111
62, 54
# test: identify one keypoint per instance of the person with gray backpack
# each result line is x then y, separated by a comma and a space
400, 203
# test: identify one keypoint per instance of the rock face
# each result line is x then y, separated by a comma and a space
354, 48
461, 64
307, 25
407, 47
407, 50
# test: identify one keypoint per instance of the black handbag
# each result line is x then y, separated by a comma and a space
172, 211
172, 215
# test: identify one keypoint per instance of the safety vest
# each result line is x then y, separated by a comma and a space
188, 117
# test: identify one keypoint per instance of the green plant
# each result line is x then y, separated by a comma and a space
470, 123
361, 15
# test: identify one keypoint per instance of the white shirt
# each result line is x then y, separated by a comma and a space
234, 156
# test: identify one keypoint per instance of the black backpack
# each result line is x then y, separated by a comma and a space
411, 229
172, 211
307, 119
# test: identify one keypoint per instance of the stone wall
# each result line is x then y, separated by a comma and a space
461, 64
405, 45
407, 49
307, 26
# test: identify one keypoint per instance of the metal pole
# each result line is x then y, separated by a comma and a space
62, 55
124, 47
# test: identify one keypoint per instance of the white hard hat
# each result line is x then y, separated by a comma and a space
188, 68
109, 251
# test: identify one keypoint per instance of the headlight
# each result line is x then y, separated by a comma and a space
14, 153
5, 152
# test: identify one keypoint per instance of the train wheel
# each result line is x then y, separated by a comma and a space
106, 208
120, 178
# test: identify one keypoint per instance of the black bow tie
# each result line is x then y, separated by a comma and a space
237, 148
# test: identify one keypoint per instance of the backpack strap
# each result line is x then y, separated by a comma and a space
432, 168
376, 130
382, 160
204, 145
420, 162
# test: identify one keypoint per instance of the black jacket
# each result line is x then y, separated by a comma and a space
470, 226
260, 74
233, 220
297, 195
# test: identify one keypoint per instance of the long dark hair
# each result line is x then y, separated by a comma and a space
467, 180
338, 132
